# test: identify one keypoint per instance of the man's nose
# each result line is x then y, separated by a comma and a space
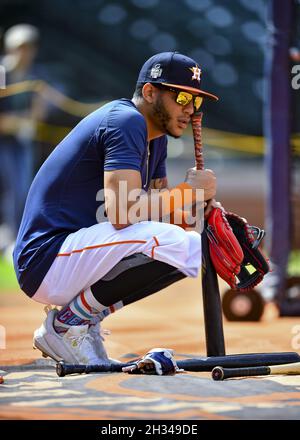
189, 108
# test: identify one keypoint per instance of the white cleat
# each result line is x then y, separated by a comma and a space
96, 333
77, 345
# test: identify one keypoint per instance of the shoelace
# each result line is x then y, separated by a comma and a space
48, 308
81, 338
89, 352
95, 323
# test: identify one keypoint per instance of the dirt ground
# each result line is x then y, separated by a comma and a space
172, 318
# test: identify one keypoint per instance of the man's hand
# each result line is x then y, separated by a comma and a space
210, 206
202, 179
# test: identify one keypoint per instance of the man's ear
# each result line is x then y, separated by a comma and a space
148, 92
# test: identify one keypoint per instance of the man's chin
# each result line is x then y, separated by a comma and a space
174, 133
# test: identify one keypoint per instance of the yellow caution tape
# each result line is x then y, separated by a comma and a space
53, 134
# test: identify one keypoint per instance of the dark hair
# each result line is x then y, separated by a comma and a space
138, 90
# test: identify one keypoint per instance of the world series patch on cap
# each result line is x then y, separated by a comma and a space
175, 70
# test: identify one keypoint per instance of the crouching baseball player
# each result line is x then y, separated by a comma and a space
77, 247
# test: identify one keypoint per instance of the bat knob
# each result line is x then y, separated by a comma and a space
60, 369
217, 373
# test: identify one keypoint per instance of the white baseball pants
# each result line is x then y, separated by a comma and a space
90, 253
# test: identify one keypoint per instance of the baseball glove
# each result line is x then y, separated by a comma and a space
234, 249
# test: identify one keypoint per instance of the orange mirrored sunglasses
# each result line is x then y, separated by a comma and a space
183, 97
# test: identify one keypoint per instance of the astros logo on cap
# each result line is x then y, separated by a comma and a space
196, 73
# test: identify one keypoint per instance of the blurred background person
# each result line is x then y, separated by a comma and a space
18, 110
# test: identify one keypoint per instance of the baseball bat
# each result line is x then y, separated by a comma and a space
197, 134
212, 307
220, 373
64, 369
193, 364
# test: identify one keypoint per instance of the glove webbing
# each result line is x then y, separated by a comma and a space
249, 238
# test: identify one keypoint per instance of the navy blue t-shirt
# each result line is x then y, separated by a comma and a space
63, 195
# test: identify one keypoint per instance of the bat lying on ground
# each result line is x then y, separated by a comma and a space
235, 361
220, 373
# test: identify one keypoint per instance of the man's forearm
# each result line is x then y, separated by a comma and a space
156, 205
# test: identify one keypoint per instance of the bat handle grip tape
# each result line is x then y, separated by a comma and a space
63, 369
197, 134
220, 373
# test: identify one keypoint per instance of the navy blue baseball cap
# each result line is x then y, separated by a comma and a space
174, 70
